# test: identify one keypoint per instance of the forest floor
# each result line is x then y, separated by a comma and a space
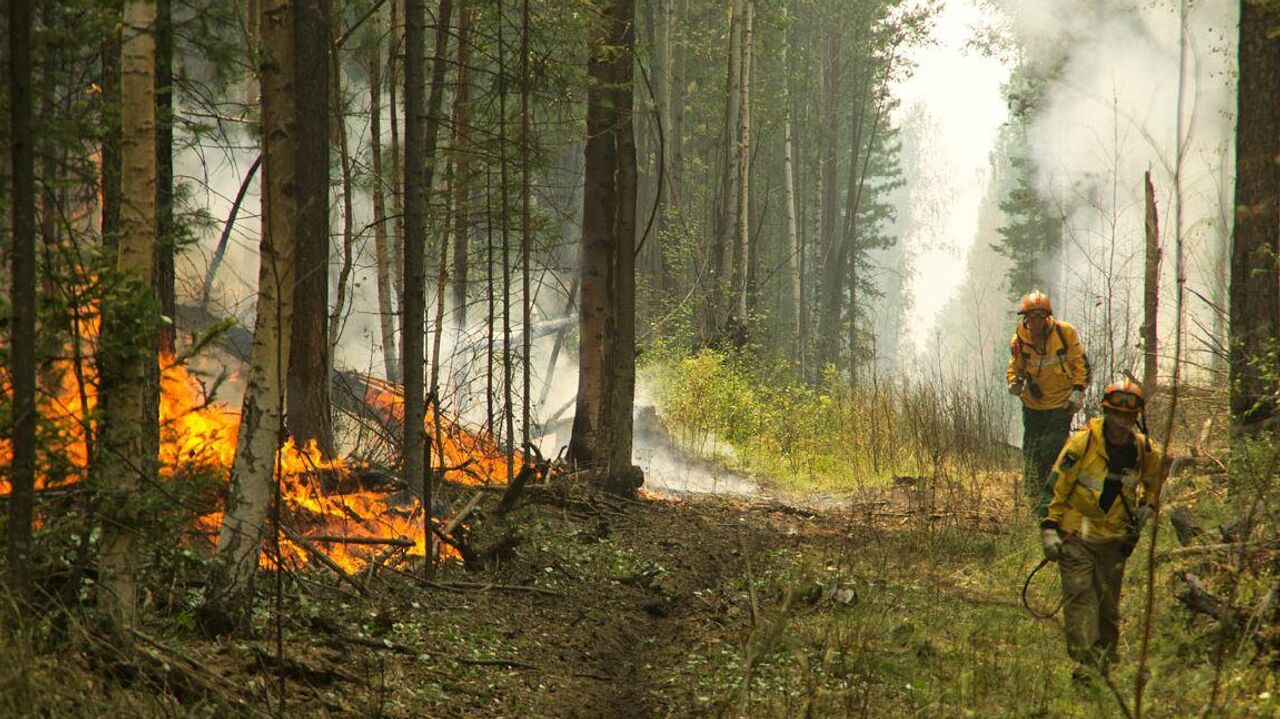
903, 601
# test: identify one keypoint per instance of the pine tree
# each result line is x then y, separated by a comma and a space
1032, 235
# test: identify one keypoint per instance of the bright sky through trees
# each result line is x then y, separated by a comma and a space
959, 88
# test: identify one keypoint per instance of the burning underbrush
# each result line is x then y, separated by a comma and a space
351, 514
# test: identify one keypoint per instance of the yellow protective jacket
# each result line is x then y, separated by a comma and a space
1079, 478
1056, 364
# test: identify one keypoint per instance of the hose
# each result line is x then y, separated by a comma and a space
1027, 584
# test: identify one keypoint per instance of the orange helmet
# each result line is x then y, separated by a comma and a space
1035, 300
1124, 396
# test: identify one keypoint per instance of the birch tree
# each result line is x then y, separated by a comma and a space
127, 344
261, 415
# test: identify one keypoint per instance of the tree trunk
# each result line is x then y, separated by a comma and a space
215, 262
1150, 292
663, 77
830, 191
252, 470
1255, 291
348, 206
645, 121
722, 250
504, 213
462, 167
859, 160
624, 478
836, 270
165, 275
382, 253
602, 421
675, 135
110, 148
422, 123
22, 358
792, 247
308, 409
126, 349
526, 234
394, 61
743, 254
413, 301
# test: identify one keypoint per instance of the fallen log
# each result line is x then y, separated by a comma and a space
324, 559
1185, 526
390, 541
462, 515
516, 488
1201, 601
1256, 623
483, 587
378, 561
1215, 548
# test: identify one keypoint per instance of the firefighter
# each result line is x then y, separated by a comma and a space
1108, 476
1048, 370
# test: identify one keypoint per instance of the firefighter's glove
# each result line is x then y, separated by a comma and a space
1016, 387
1142, 514
1075, 402
1051, 541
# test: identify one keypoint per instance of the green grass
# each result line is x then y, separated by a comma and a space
829, 437
937, 630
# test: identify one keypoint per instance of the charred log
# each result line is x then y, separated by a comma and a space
1237, 529
1185, 526
1235, 622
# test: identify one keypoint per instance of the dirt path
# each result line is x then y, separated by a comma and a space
902, 601
690, 557
621, 603
590, 609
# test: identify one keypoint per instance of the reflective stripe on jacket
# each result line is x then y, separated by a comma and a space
1079, 477
1055, 365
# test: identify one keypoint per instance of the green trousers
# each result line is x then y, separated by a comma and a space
1092, 573
1044, 431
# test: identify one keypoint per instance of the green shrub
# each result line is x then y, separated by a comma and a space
831, 435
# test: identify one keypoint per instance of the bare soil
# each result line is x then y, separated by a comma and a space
591, 611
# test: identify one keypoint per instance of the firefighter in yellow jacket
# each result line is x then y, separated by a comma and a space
1106, 480
1048, 371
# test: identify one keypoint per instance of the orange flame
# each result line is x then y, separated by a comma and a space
197, 434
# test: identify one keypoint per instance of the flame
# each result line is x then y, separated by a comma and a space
469, 458
200, 435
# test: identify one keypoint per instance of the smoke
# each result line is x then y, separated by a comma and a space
1109, 112
950, 114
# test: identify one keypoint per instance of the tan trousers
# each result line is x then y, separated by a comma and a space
1092, 573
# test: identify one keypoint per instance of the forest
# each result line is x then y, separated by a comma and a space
640, 358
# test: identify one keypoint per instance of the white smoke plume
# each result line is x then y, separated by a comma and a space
1109, 113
